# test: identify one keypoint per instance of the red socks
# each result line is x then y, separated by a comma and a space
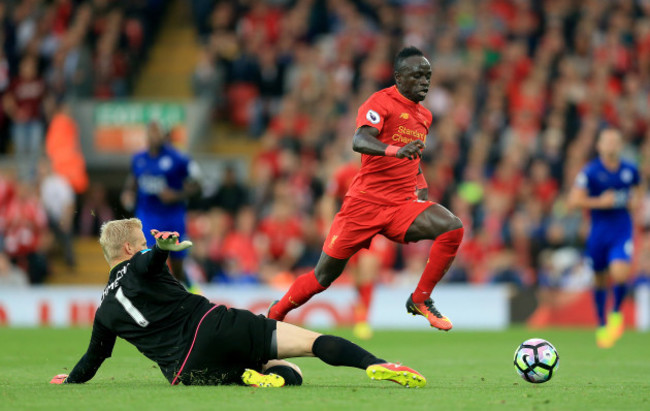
363, 304
441, 256
305, 287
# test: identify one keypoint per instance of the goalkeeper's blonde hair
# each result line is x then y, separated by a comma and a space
113, 235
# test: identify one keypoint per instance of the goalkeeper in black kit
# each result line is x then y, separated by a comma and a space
193, 341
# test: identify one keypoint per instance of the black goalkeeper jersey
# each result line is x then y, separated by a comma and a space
145, 305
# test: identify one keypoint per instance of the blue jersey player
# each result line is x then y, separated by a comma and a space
161, 181
609, 187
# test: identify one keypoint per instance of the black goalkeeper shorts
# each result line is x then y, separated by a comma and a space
226, 342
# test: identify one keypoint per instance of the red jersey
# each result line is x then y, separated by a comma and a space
390, 180
342, 180
280, 233
28, 95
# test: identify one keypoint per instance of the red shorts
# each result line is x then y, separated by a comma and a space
359, 221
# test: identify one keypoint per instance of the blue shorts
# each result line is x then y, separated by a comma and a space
163, 223
603, 249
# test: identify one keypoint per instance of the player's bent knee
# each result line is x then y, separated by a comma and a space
450, 223
454, 223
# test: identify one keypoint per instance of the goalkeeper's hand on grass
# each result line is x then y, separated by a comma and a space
59, 379
168, 240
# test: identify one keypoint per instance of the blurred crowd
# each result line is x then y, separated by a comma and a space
52, 51
519, 91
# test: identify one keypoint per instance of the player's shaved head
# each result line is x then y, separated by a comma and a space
405, 53
412, 74
155, 135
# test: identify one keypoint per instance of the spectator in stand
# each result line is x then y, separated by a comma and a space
23, 103
59, 201
281, 237
240, 256
7, 193
518, 91
26, 232
4, 86
95, 210
63, 148
231, 195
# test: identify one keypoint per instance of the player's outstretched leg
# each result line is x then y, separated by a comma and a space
294, 341
307, 285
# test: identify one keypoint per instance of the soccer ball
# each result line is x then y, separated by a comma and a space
536, 360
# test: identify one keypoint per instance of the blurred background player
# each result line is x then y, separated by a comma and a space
608, 187
366, 265
162, 179
388, 194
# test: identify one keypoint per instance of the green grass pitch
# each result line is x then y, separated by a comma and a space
465, 370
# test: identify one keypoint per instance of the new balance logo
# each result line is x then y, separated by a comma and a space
405, 116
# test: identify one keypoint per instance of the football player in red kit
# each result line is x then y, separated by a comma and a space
365, 266
388, 195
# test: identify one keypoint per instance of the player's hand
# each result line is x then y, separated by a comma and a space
607, 199
614, 199
412, 150
59, 379
168, 240
169, 196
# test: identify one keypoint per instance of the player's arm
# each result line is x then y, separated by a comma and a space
579, 196
365, 141
421, 188
191, 186
636, 199
154, 261
100, 348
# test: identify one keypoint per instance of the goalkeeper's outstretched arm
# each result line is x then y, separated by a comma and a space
101, 346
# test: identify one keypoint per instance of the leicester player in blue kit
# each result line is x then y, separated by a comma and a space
161, 181
609, 187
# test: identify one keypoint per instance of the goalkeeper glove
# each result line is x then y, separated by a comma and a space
168, 240
59, 379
